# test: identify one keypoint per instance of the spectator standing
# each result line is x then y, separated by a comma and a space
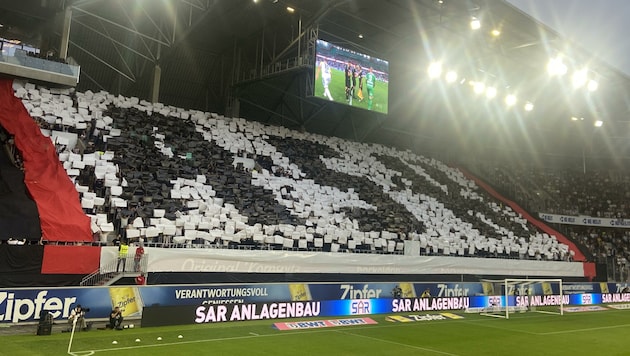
123, 249
138, 257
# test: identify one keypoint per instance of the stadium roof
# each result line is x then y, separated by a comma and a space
203, 47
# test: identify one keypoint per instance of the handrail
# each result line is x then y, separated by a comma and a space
111, 272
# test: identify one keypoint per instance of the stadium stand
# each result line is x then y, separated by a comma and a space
174, 177
571, 191
564, 190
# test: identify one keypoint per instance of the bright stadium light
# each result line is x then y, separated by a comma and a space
598, 123
491, 92
451, 76
592, 85
556, 67
290, 9
579, 78
510, 100
475, 24
435, 70
495, 33
479, 87
529, 106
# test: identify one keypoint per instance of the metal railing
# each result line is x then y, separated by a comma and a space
115, 270
40, 69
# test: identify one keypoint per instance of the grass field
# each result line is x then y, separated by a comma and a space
337, 90
593, 333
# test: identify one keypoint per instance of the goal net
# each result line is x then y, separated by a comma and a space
509, 296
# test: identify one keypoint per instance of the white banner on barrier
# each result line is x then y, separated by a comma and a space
240, 261
584, 220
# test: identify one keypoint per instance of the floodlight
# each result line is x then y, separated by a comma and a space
435, 70
290, 9
510, 100
573, 118
579, 78
475, 24
556, 67
495, 33
529, 106
360, 35
599, 123
451, 76
592, 85
491, 92
479, 87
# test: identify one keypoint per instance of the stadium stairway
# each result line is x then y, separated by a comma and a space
108, 274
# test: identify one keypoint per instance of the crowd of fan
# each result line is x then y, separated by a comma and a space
436, 182
594, 193
565, 191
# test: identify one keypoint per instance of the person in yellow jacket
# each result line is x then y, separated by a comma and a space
123, 249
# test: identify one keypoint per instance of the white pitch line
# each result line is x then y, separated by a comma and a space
398, 343
181, 342
297, 332
587, 329
251, 333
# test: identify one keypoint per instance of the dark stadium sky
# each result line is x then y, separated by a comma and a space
598, 26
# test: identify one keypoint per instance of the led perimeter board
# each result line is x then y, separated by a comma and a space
351, 78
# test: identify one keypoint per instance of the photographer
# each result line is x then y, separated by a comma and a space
426, 293
115, 319
77, 315
397, 292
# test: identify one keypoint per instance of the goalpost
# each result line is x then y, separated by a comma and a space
511, 295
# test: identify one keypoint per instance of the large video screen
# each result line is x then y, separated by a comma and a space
352, 78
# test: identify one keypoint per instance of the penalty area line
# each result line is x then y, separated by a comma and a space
586, 329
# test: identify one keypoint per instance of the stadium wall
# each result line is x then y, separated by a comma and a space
21, 266
59, 265
194, 260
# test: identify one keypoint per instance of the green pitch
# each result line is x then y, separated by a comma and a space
337, 89
593, 333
